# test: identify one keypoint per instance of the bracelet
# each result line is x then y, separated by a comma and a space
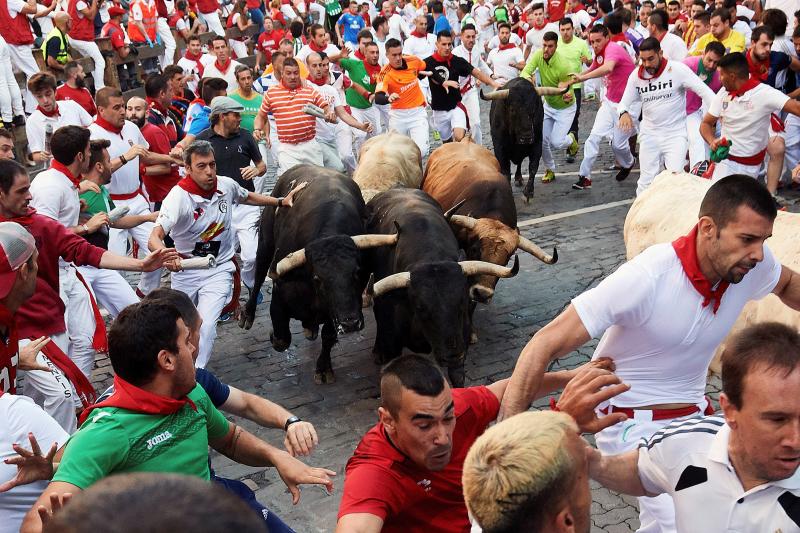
122, 158
291, 420
280, 201
553, 405
85, 228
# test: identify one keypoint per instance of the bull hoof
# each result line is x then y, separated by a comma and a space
321, 378
457, 376
311, 333
518, 180
279, 345
473, 338
246, 321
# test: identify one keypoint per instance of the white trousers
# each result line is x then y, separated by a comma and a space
659, 150
168, 57
473, 104
22, 58
210, 290
79, 317
792, 140
446, 122
290, 155
238, 47
344, 146
330, 156
213, 23
698, 149
555, 132
110, 289
10, 95
726, 167
373, 116
383, 110
90, 49
52, 390
606, 124
118, 240
245, 223
413, 123
318, 12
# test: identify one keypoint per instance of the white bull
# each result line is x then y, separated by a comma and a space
669, 208
387, 160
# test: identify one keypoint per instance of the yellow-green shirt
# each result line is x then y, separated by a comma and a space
733, 43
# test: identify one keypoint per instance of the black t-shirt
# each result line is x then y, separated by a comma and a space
53, 48
233, 153
441, 98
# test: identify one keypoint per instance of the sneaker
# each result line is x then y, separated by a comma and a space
589, 97
436, 136
623, 173
573, 148
582, 183
18, 121
549, 176
570, 159
224, 317
259, 298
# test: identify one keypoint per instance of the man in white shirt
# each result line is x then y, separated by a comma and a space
580, 18
224, 67
662, 315
420, 43
659, 88
197, 214
16, 30
192, 63
398, 29
318, 43
672, 46
82, 35
49, 112
789, 7
506, 60
534, 36
469, 85
482, 13
738, 471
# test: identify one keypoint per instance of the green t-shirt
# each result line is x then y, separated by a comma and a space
573, 53
251, 106
501, 14
115, 440
358, 73
551, 73
98, 202
333, 7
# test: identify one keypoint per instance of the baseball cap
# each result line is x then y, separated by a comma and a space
225, 104
114, 11
16, 247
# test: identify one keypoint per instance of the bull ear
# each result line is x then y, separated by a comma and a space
452, 211
397, 227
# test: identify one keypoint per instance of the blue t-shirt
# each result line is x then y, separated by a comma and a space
352, 24
200, 121
441, 24
216, 390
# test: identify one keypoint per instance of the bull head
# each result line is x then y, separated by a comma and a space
524, 244
362, 242
402, 280
502, 94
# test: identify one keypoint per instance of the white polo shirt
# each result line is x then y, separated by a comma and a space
673, 47
515, 39
201, 226
745, 119
689, 461
211, 71
54, 196
655, 328
70, 113
326, 131
126, 179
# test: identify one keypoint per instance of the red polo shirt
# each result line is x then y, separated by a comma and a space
80, 96
157, 186
381, 481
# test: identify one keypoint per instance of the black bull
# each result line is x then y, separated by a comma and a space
516, 121
421, 298
314, 253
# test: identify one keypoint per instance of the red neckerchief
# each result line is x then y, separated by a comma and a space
156, 105
132, 398
415, 33
222, 68
12, 347
620, 38
758, 69
24, 220
600, 58
372, 70
106, 125
658, 73
751, 83
662, 36
359, 55
686, 249
507, 46
189, 185
197, 101
196, 58
313, 46
76, 180
535, 27
321, 82
50, 114
577, 9
440, 59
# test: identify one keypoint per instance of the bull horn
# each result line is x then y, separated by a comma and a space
484, 268
390, 283
290, 262
452, 211
550, 91
528, 246
374, 240
500, 94
463, 221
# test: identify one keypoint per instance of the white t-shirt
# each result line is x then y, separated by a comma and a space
70, 113
745, 29
534, 37
126, 179
673, 47
304, 52
21, 416
663, 99
494, 42
654, 327
191, 72
580, 20
205, 225
211, 71
689, 460
421, 47
788, 7
473, 58
501, 62
482, 14
396, 26
326, 131
14, 7
53, 195
745, 119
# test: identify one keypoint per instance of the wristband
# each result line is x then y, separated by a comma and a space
122, 158
85, 228
553, 405
291, 420
280, 204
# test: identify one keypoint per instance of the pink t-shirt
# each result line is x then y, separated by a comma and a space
623, 66
694, 102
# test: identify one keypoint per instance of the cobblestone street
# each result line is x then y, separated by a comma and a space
590, 246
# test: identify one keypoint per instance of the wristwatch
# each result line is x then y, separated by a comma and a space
291, 420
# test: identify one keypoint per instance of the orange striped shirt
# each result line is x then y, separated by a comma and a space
403, 82
286, 105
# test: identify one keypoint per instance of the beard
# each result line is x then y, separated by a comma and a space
138, 120
80, 82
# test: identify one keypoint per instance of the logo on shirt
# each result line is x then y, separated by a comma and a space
198, 213
223, 205
213, 230
152, 442
425, 484
443, 71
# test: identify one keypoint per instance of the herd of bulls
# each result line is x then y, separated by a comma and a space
425, 250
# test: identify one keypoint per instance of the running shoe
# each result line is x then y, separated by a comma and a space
436, 136
224, 317
570, 159
572, 150
549, 176
582, 183
623, 173
589, 97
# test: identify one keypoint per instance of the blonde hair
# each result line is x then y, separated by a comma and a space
518, 468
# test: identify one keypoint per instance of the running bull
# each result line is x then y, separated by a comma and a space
313, 253
421, 292
516, 121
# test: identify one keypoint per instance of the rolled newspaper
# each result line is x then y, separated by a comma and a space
310, 109
118, 212
199, 263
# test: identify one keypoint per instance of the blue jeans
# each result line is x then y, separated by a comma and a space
274, 524
257, 16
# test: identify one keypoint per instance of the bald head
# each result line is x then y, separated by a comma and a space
136, 110
61, 20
